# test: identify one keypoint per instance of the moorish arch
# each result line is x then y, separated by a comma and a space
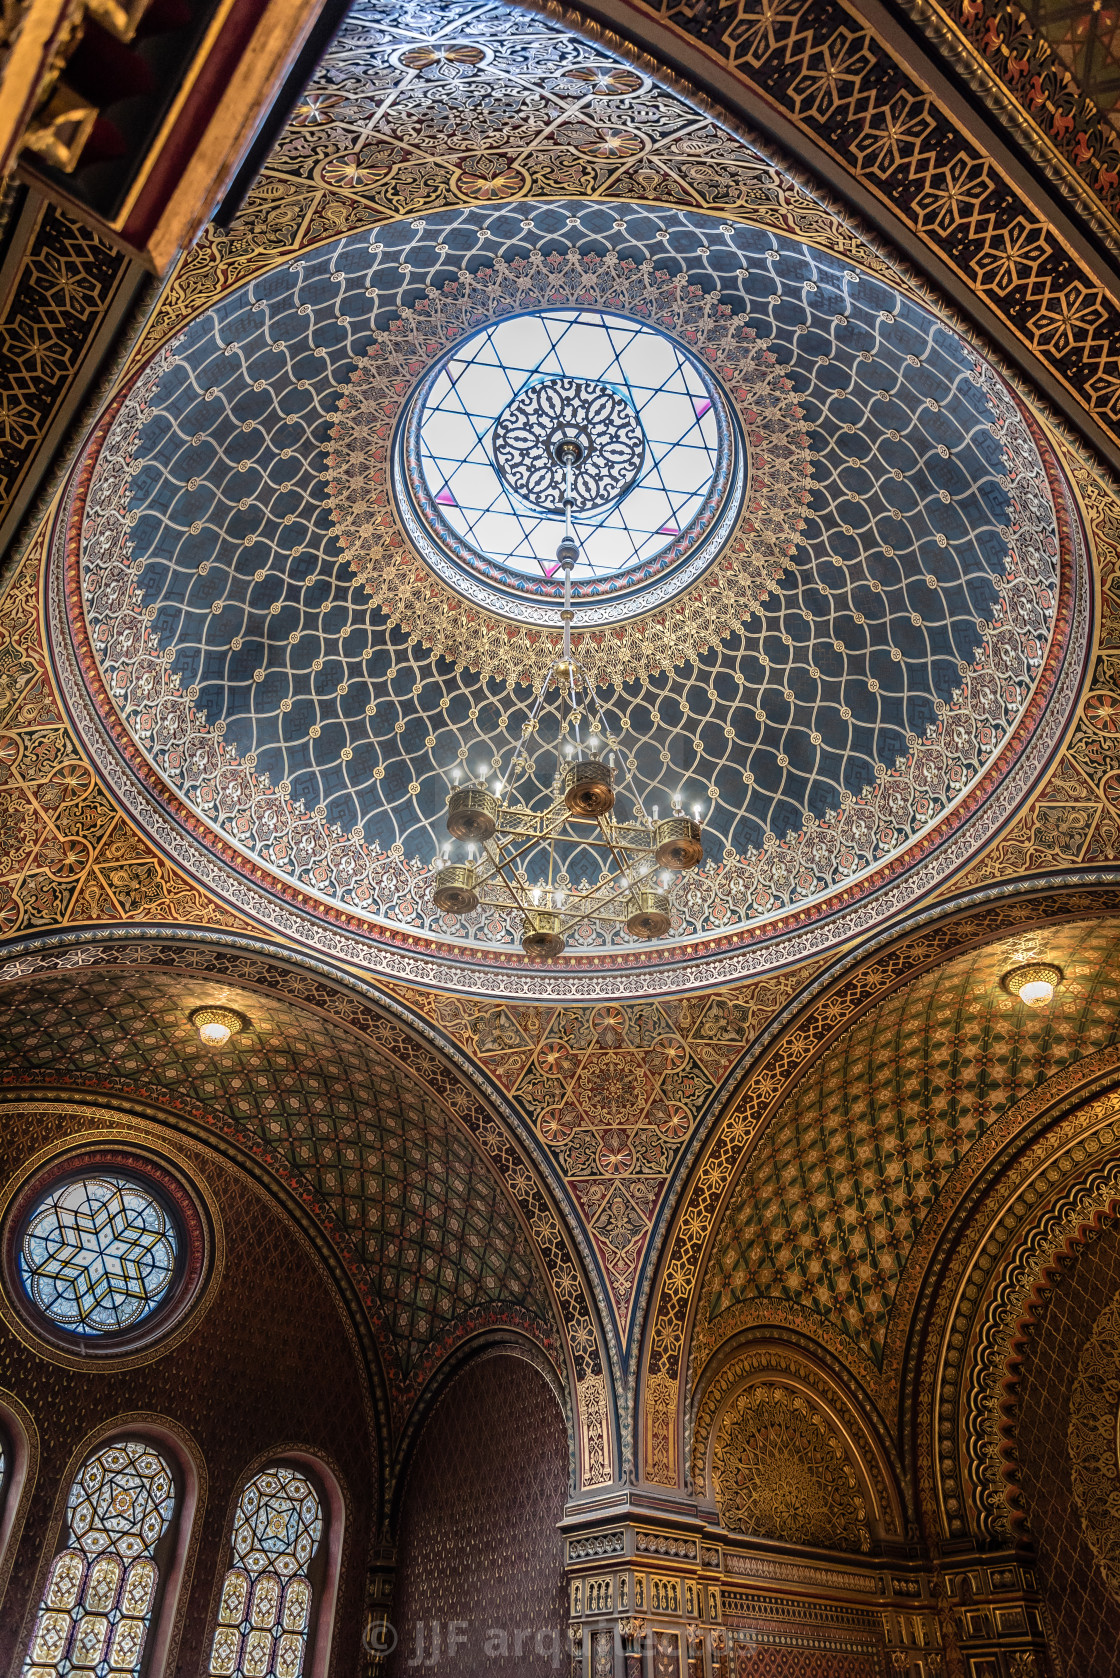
397, 1163
559, 811
989, 1168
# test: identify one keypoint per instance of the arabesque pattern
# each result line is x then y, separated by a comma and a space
858, 1153
615, 1094
416, 1201
842, 85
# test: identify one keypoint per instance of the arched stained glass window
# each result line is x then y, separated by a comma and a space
265, 1609
98, 1600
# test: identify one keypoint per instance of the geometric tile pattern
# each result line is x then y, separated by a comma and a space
614, 1093
779, 1471
1056, 67
61, 291
364, 147
66, 855
98, 1254
359, 152
824, 69
1075, 818
479, 1543
432, 1229
289, 711
835, 1191
1084, 1607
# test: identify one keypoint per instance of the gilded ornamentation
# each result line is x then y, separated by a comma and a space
615, 1092
1049, 1224
844, 86
525, 108
778, 1072
855, 1121
67, 855
1046, 67
1093, 1451
438, 1140
634, 647
63, 284
339, 794
781, 1472
1075, 818
781, 1367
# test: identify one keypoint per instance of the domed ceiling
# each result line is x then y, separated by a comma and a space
825, 587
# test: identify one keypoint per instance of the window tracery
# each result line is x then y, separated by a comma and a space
99, 1253
97, 1603
265, 1608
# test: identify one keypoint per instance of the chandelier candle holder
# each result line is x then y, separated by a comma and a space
519, 846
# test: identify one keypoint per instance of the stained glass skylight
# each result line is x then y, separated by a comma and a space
98, 1254
642, 400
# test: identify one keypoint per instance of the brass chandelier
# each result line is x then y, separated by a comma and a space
506, 835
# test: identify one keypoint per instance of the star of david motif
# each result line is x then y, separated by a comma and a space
98, 1255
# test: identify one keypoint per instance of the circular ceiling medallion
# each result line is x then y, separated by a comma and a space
852, 654
594, 421
716, 420
659, 458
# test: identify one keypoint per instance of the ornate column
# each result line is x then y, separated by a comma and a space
378, 1637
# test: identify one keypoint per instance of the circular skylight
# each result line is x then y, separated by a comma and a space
654, 431
98, 1254
854, 659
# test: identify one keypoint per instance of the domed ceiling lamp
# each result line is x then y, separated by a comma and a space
502, 833
1034, 983
215, 1026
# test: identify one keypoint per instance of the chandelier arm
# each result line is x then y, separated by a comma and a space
619, 861
502, 863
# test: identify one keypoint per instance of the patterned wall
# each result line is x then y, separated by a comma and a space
63, 283
1065, 1422
1054, 68
615, 1093
271, 1361
65, 853
820, 65
434, 1239
478, 1540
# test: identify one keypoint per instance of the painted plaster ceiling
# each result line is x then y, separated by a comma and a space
823, 650
839, 1195
304, 591
434, 1244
